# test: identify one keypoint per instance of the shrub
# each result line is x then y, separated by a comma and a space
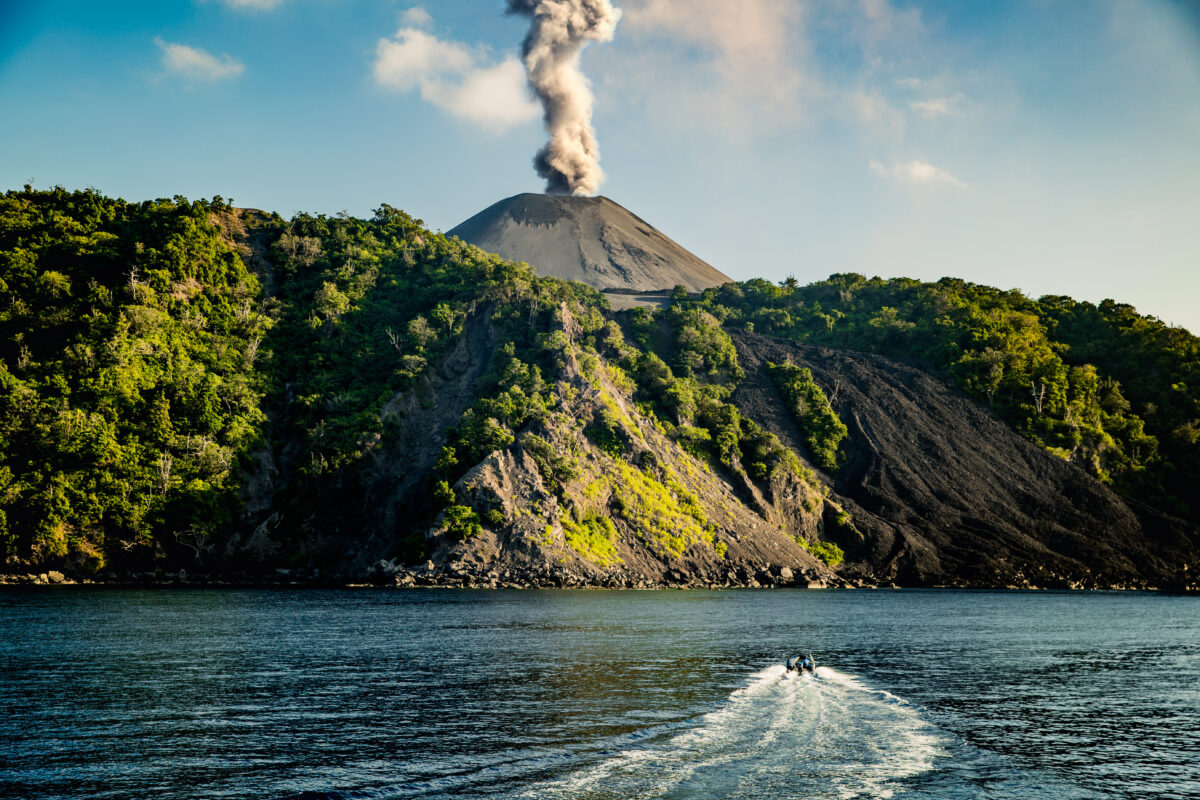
828, 552
461, 521
664, 513
594, 538
697, 441
819, 425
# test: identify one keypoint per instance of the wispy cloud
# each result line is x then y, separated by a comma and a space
748, 35
255, 5
739, 67
197, 64
916, 172
873, 113
938, 106
450, 75
755, 67
883, 25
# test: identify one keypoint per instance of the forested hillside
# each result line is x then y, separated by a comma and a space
130, 384
185, 383
1102, 386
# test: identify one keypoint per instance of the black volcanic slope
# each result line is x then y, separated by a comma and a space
944, 492
587, 239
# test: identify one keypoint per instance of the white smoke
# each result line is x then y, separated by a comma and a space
558, 31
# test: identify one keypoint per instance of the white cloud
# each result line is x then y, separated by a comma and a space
491, 97
416, 17
748, 34
885, 26
449, 76
938, 106
916, 172
197, 64
257, 5
415, 59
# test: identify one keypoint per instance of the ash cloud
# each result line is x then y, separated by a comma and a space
558, 32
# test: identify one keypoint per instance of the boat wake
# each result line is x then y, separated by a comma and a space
822, 735
826, 735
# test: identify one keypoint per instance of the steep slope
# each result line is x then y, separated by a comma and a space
382, 402
564, 505
558, 505
943, 492
587, 239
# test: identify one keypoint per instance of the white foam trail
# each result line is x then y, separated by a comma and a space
827, 735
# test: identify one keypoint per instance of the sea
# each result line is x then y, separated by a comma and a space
382, 694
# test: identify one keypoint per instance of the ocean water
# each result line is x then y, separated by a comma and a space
380, 694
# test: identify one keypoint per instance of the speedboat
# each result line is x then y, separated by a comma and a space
804, 663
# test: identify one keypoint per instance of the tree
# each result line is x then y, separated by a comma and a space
445, 315
331, 302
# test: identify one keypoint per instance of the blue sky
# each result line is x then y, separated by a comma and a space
1044, 145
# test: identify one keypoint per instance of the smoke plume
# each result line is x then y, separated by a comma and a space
558, 31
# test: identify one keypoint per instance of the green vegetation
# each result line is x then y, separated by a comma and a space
461, 521
170, 368
1101, 386
828, 552
605, 432
142, 362
594, 538
370, 309
685, 377
663, 512
556, 468
131, 378
819, 425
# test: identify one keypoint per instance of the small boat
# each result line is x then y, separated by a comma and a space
804, 663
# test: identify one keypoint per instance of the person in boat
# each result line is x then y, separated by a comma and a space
804, 663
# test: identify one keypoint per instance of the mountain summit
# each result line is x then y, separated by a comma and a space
587, 239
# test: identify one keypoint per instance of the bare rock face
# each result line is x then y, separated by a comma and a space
942, 492
588, 239
674, 521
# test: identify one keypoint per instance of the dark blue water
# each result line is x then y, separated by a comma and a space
398, 694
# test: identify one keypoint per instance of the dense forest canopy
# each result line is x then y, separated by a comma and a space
129, 384
151, 352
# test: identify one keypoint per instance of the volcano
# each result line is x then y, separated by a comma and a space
588, 239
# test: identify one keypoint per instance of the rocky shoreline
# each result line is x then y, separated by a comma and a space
386, 574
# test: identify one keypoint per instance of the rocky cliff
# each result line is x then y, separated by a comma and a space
934, 491
942, 492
